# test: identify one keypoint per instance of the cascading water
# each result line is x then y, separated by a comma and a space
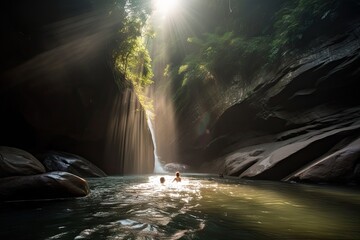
157, 166
129, 146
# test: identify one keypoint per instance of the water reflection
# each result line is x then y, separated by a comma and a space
165, 206
200, 207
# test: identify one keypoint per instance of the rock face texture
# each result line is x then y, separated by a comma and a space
173, 167
340, 166
71, 163
57, 84
43, 186
301, 123
23, 177
15, 162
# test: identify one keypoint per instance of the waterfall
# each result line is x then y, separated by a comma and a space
129, 145
157, 166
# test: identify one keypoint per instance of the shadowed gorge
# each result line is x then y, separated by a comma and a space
264, 79
81, 77
180, 119
58, 88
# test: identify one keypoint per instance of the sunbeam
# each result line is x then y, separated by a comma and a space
165, 7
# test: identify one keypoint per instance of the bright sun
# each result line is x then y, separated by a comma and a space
166, 6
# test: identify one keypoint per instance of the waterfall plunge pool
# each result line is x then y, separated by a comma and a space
200, 207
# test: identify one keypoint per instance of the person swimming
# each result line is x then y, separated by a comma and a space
177, 177
162, 180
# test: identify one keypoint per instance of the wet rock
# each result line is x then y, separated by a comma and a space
340, 166
291, 157
15, 162
237, 163
66, 162
285, 156
256, 152
43, 186
173, 167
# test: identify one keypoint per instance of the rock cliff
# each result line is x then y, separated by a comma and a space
57, 84
300, 123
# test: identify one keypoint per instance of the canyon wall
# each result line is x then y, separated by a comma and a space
57, 85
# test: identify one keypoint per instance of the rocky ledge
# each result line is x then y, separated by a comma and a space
301, 124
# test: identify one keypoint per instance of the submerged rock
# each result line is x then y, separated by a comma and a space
43, 186
15, 162
66, 162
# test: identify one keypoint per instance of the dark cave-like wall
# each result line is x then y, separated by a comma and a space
57, 80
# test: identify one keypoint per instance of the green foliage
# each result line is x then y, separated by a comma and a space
136, 64
227, 43
132, 59
220, 57
293, 20
240, 51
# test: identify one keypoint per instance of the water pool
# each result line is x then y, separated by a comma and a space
200, 207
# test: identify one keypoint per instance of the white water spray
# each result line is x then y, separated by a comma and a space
157, 166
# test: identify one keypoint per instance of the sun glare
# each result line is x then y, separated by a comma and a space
165, 6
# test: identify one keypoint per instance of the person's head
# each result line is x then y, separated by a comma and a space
162, 179
177, 174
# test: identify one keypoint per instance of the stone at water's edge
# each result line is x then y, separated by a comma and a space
327, 153
173, 167
340, 166
66, 162
15, 162
289, 158
43, 186
23, 177
237, 163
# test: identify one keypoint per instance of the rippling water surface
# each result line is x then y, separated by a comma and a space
200, 207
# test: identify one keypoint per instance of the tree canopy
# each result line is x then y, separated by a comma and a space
131, 56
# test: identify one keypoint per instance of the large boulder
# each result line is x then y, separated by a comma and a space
173, 167
341, 166
291, 157
15, 162
43, 186
66, 162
